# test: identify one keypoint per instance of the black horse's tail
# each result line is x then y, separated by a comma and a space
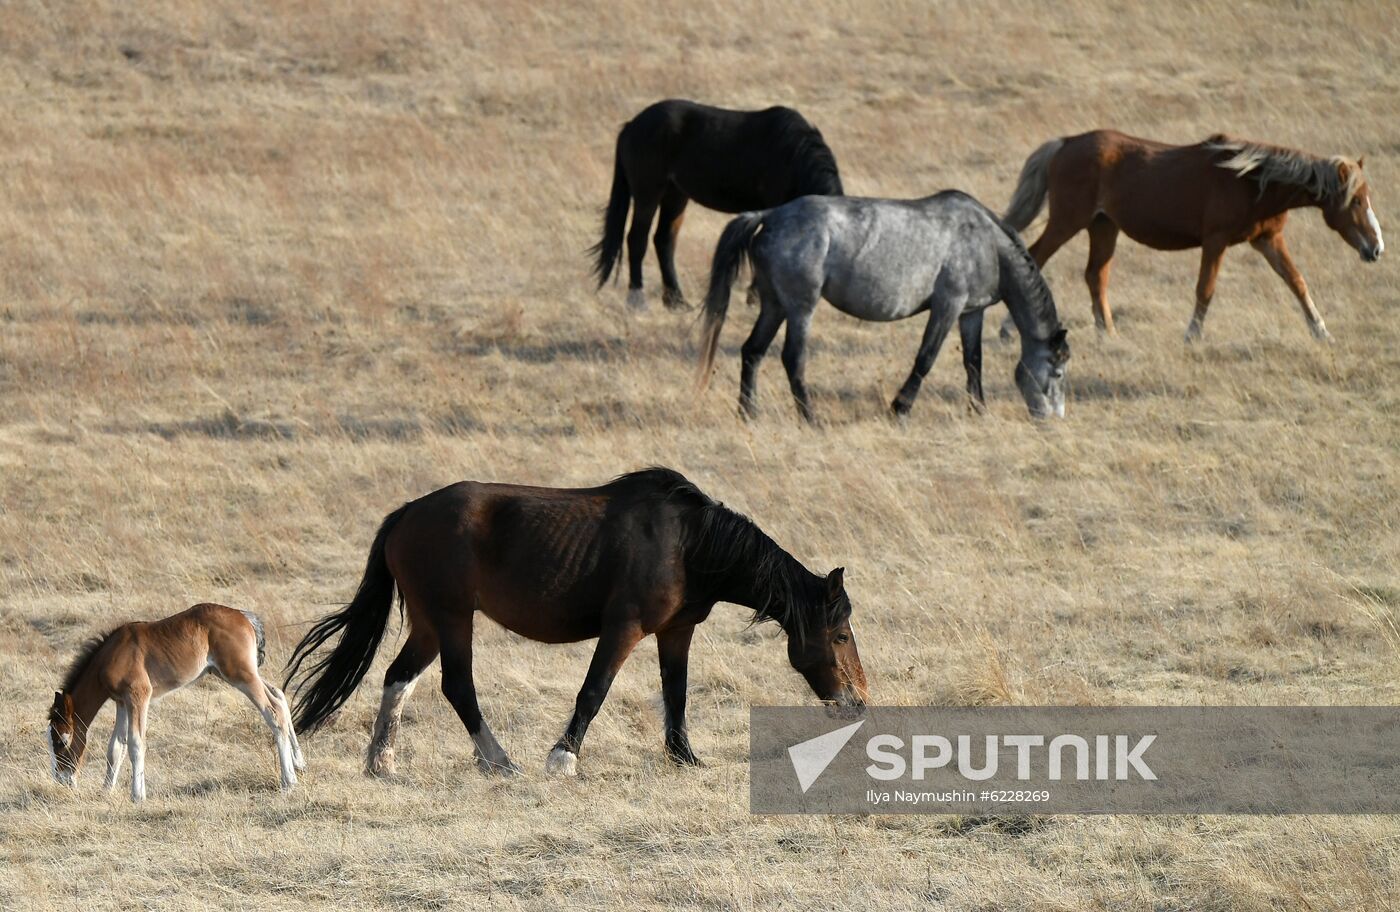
608, 251
327, 683
731, 252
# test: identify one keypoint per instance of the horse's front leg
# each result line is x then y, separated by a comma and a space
1273, 249
115, 748
970, 328
137, 708
614, 646
940, 321
673, 649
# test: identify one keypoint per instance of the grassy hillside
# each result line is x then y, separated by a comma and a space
266, 275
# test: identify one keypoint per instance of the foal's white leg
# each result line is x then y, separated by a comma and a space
279, 698
254, 689
136, 743
115, 748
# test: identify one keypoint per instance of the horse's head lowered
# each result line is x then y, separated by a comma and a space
65, 747
1040, 374
824, 652
1347, 211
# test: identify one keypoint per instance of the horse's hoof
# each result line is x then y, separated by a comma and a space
687, 758
561, 762
380, 765
1193, 332
503, 767
674, 300
636, 299
1320, 333
977, 407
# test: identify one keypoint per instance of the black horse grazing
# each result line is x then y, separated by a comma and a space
646, 554
731, 161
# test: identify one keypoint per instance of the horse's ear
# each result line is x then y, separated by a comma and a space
68, 706
835, 583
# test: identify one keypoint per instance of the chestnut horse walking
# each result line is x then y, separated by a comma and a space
139, 663
1212, 195
647, 554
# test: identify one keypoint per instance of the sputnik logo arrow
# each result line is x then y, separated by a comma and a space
811, 758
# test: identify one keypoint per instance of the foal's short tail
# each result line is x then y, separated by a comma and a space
326, 684
1032, 187
730, 253
608, 251
258, 633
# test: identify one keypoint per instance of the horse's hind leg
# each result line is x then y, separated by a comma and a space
1103, 239
399, 681
755, 347
795, 360
280, 699
942, 313
668, 227
614, 646
460, 690
248, 682
643, 210
970, 328
115, 748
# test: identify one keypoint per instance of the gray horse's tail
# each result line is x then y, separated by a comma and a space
731, 252
1032, 187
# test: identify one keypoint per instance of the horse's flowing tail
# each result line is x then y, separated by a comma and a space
730, 253
259, 634
1032, 187
326, 684
608, 251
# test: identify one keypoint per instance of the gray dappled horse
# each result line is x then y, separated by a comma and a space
882, 259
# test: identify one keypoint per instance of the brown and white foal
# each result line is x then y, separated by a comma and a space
143, 661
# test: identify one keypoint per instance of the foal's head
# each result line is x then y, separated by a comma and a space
65, 747
824, 651
1040, 374
1347, 211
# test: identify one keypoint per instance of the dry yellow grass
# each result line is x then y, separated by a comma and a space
264, 275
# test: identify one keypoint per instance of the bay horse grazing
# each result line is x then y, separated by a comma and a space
880, 259
646, 554
731, 161
1212, 195
141, 662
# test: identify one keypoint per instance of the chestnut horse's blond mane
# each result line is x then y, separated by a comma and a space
1320, 177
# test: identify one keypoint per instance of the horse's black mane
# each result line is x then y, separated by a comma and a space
82, 660
804, 144
727, 552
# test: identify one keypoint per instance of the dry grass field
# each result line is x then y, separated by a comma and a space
266, 275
